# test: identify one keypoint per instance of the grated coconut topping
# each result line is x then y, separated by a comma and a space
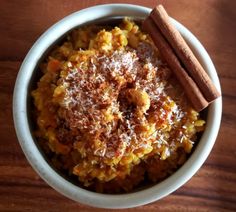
98, 91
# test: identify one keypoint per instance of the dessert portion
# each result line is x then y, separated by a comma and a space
110, 112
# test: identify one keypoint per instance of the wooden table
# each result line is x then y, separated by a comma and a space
213, 188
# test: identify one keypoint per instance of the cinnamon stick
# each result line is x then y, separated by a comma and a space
186, 56
192, 91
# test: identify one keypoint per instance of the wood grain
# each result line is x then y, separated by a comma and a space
213, 188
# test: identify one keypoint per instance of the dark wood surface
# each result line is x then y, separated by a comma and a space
213, 188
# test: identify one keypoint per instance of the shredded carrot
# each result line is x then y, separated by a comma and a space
54, 65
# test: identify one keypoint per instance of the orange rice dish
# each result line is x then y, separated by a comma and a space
109, 111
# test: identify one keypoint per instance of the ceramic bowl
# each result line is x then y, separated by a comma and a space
23, 124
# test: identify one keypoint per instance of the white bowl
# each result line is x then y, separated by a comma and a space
36, 159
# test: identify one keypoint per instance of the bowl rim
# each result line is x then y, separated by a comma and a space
44, 170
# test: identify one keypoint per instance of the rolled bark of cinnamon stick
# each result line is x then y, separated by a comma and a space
191, 89
186, 56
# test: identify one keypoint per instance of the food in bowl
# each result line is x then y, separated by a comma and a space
110, 112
